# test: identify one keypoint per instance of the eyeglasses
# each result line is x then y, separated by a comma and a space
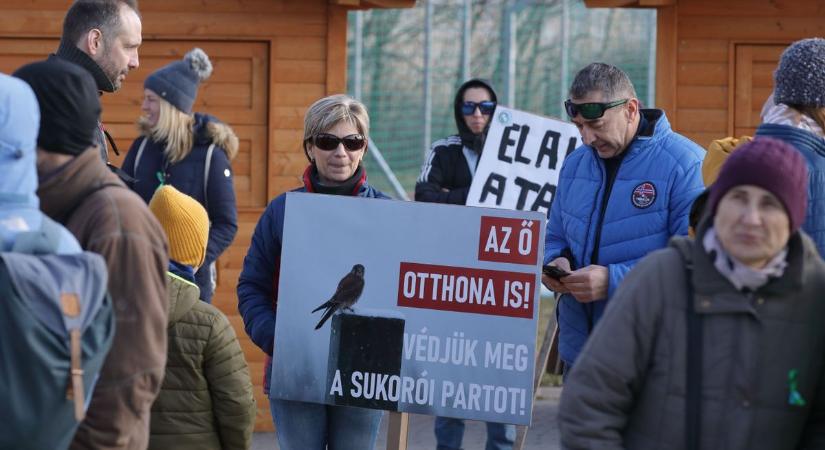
486, 108
590, 111
329, 142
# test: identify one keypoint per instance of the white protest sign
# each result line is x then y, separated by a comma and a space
521, 161
445, 323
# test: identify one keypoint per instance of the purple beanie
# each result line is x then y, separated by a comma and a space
772, 165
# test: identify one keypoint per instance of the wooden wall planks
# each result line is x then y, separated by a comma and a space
715, 60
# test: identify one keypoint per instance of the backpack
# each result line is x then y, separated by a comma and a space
56, 327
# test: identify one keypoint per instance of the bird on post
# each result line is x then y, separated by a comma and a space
348, 291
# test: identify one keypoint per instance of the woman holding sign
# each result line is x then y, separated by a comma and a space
336, 131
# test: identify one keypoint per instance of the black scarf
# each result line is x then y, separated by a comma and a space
71, 53
348, 187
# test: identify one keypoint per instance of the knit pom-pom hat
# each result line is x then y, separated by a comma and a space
177, 82
800, 77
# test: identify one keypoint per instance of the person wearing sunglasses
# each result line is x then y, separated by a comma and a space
621, 195
336, 131
448, 171
446, 177
714, 342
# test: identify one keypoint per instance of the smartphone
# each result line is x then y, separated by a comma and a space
554, 272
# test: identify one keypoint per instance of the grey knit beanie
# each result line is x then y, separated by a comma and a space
800, 77
177, 82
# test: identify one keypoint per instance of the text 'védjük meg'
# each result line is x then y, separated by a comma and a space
463, 289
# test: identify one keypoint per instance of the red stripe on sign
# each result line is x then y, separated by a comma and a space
505, 239
463, 289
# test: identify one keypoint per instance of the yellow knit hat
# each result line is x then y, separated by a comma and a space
185, 222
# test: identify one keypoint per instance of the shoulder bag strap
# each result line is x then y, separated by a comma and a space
206, 168
693, 394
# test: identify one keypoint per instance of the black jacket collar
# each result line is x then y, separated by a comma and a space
71, 53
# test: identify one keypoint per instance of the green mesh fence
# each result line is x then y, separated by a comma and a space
392, 68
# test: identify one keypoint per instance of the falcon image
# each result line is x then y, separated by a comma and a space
348, 291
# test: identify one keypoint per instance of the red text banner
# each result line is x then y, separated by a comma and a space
508, 240
463, 289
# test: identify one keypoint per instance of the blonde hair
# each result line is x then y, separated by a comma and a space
327, 112
174, 127
817, 113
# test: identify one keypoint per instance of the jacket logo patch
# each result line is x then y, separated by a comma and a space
643, 195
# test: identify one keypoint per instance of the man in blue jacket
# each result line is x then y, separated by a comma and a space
621, 195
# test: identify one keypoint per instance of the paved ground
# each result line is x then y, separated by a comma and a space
543, 435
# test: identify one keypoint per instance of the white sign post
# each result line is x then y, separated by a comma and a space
445, 322
521, 161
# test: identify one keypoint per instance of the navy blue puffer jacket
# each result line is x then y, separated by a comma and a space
187, 176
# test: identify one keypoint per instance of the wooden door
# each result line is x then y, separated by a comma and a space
752, 83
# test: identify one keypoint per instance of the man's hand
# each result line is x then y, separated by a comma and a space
588, 283
554, 285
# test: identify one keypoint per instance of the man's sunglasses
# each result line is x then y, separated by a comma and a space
590, 111
329, 142
486, 108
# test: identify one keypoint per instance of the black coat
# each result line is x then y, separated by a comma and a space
448, 171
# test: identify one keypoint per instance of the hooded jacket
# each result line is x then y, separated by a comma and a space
108, 219
19, 204
649, 201
627, 389
187, 176
451, 163
206, 402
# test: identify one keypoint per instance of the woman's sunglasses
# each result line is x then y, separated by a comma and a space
329, 142
590, 111
486, 108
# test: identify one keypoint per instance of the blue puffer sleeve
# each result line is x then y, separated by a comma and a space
687, 185
222, 210
554, 237
617, 273
258, 280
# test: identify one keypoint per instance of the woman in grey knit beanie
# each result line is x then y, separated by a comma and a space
188, 150
796, 115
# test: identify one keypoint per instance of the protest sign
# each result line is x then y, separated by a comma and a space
443, 307
521, 161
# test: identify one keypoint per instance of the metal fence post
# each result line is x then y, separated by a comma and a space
358, 63
428, 99
466, 37
565, 52
651, 59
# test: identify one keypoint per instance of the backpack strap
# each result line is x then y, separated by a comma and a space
111, 141
207, 165
693, 394
74, 391
139, 154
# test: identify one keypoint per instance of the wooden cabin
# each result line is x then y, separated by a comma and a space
272, 59
715, 59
